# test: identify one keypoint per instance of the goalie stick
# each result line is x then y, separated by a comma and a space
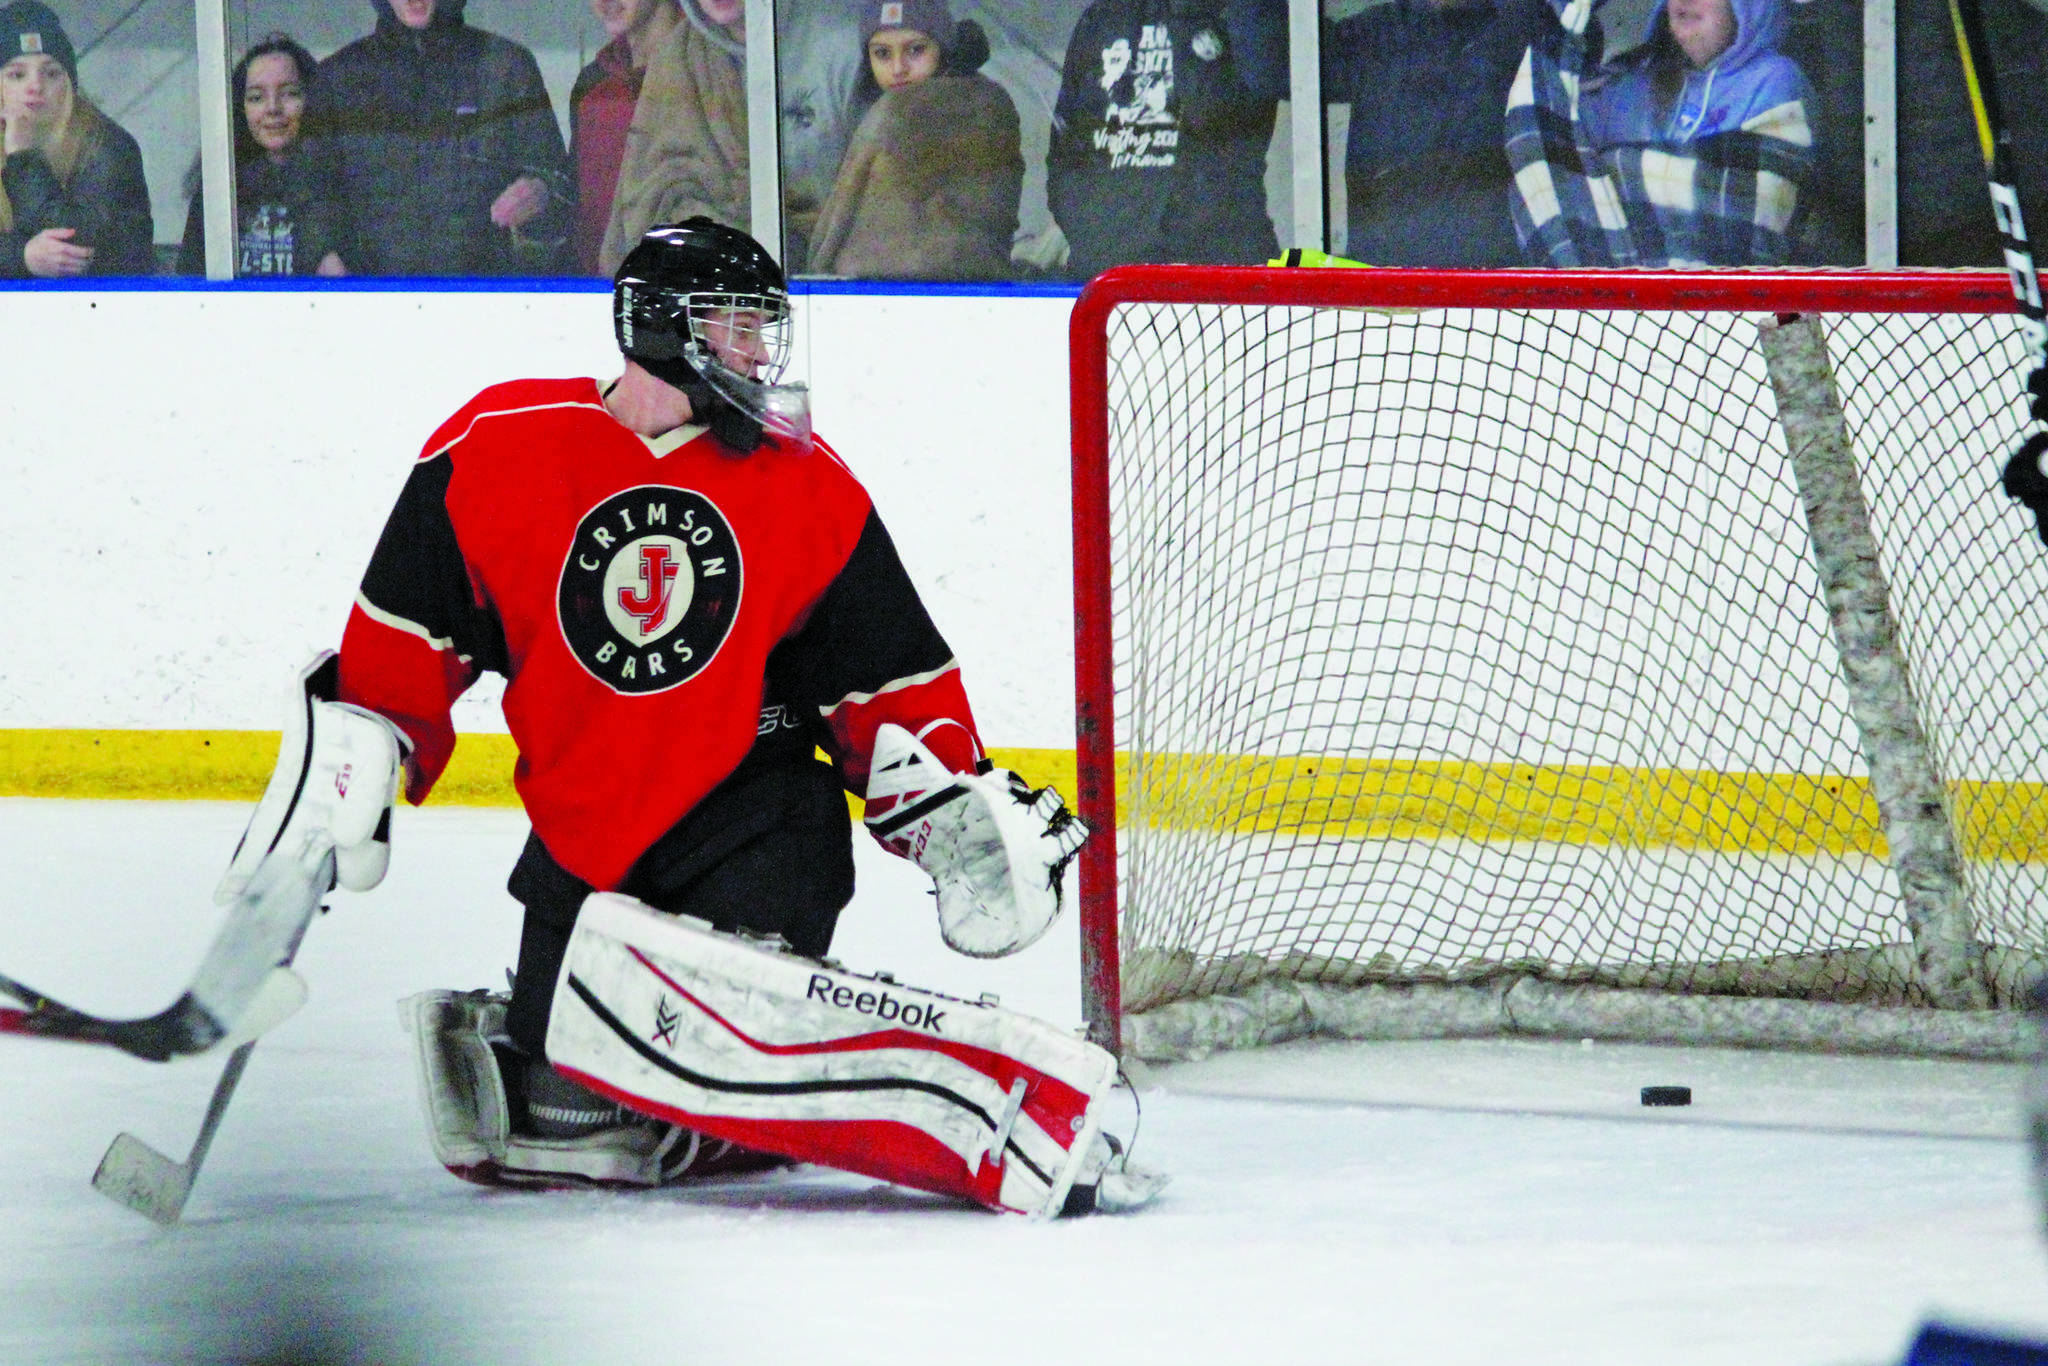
242, 986
2024, 478
155, 1186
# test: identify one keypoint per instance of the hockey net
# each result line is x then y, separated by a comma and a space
1455, 655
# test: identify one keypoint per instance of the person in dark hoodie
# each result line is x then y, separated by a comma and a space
288, 220
72, 198
929, 187
446, 147
1691, 149
1159, 135
1425, 174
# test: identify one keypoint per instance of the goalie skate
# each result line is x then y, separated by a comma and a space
472, 1117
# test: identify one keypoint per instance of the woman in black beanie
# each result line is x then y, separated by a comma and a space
72, 197
289, 219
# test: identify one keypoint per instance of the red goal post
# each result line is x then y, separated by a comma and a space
1184, 292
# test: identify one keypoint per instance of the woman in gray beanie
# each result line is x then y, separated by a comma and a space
930, 183
72, 197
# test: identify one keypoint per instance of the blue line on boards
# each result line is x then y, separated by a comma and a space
389, 284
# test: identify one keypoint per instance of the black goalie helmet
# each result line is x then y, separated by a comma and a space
703, 307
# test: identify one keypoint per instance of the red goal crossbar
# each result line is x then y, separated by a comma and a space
1745, 291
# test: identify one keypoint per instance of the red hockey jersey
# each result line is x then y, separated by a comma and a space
637, 594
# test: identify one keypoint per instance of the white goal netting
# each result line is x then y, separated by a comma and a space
1467, 646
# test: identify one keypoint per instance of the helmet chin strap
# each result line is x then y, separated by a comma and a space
727, 420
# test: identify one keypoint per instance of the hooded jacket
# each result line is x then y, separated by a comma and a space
1749, 79
930, 184
1159, 136
427, 128
686, 148
1608, 175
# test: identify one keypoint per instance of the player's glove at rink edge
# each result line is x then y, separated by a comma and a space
996, 848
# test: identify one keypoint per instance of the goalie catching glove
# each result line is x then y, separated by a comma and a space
995, 848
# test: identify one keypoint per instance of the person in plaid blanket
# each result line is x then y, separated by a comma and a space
1692, 149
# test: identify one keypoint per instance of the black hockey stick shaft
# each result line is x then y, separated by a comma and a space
2024, 478
1994, 140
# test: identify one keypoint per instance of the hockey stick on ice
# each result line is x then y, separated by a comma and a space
134, 1174
2024, 478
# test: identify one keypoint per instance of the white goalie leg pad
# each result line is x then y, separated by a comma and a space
995, 848
469, 1121
788, 1055
337, 775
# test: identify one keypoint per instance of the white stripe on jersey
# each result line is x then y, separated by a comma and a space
457, 440
411, 628
855, 699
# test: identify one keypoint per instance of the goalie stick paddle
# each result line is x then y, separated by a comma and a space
242, 981
185, 1028
2023, 478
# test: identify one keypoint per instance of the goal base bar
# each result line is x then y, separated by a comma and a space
1275, 1011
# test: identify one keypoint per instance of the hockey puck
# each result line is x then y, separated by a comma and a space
1667, 1095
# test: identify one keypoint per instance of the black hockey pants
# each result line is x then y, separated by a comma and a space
769, 850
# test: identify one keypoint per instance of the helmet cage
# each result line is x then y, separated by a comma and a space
747, 336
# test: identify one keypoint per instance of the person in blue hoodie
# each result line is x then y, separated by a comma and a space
1691, 149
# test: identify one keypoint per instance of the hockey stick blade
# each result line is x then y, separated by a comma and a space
138, 1176
236, 983
132, 1173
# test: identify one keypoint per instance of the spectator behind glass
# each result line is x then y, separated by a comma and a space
1159, 137
929, 187
72, 197
447, 150
287, 221
1426, 177
601, 109
686, 150
1707, 103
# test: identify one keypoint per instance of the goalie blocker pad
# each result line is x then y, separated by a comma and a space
337, 775
792, 1056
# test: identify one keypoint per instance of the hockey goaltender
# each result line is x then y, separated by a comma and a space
690, 596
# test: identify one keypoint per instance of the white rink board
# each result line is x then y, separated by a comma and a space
195, 480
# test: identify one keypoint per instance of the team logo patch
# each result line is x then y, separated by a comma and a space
1208, 44
650, 588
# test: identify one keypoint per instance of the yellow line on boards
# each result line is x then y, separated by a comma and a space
1241, 794
233, 766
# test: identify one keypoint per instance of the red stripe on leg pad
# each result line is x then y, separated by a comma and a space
780, 1053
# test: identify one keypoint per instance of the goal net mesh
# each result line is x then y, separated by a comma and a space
1456, 643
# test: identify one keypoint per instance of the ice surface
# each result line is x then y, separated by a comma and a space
1493, 1201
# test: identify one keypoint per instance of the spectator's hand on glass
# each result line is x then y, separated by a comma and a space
52, 255
521, 202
